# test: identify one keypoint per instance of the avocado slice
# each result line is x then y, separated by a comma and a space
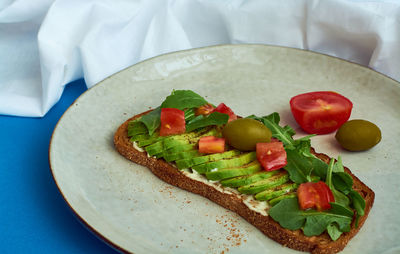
177, 140
155, 148
248, 179
264, 184
178, 149
215, 157
139, 137
181, 155
156, 144
236, 161
275, 201
190, 162
276, 192
150, 140
169, 142
224, 173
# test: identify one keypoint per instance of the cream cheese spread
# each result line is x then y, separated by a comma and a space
260, 207
135, 145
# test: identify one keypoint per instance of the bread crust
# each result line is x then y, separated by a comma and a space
321, 244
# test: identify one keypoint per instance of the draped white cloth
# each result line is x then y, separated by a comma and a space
45, 44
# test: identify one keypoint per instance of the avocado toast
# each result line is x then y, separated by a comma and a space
237, 181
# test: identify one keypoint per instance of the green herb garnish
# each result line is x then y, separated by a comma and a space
214, 118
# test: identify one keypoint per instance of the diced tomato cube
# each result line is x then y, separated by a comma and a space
315, 195
211, 144
172, 121
271, 155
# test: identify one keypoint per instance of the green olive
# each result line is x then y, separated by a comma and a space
244, 133
358, 135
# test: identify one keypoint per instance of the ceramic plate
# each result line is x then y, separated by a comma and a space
134, 211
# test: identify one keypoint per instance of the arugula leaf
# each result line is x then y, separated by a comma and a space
358, 203
320, 167
340, 198
190, 114
284, 134
182, 99
342, 182
288, 214
317, 222
333, 231
301, 163
338, 167
298, 166
304, 147
214, 118
152, 120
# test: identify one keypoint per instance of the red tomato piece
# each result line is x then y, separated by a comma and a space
272, 155
211, 144
205, 109
172, 121
320, 112
315, 195
222, 108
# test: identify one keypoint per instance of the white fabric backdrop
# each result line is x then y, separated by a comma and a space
45, 44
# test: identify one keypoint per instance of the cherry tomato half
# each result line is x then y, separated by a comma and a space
172, 121
271, 155
320, 112
315, 195
211, 144
222, 108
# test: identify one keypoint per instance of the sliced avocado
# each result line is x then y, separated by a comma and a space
224, 173
155, 148
236, 161
276, 192
181, 155
190, 162
245, 180
169, 142
187, 138
275, 201
182, 148
264, 184
150, 140
159, 155
139, 137
177, 140
215, 157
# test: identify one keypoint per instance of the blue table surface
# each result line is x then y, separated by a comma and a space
33, 215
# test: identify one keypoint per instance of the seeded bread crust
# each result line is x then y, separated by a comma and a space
234, 202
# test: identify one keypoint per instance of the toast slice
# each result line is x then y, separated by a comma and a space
294, 239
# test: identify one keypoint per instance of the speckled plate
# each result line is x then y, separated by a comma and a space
134, 211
